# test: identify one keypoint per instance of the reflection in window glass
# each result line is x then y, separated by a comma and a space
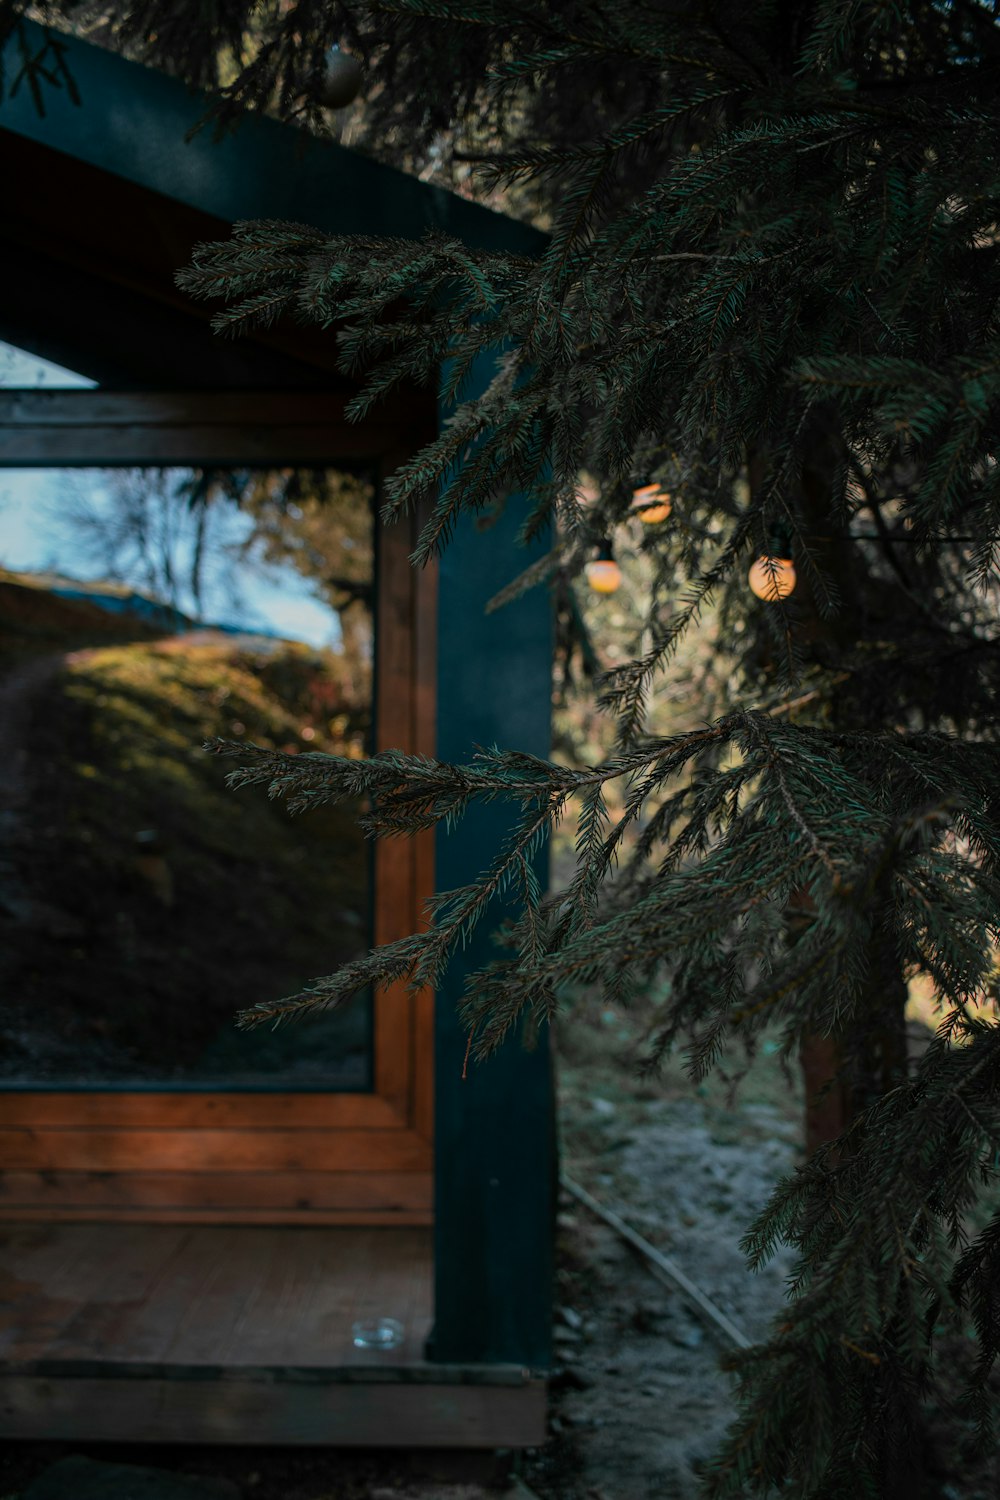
141, 902
19, 368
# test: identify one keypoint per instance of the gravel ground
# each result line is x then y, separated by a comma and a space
639, 1401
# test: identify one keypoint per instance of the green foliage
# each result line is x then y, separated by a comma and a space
772, 283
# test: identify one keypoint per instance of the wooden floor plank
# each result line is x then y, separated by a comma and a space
53, 1275
147, 1325
372, 1414
319, 1283
287, 1285
318, 1286
393, 1289
113, 1301
207, 1295
237, 1333
221, 1272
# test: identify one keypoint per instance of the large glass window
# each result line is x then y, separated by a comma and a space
142, 903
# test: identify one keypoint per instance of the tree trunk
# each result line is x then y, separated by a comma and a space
843, 1076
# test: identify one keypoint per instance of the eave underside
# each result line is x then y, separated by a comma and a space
88, 265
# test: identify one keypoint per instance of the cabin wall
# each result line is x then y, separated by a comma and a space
495, 1165
494, 1151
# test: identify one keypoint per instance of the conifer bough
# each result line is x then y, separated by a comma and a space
773, 257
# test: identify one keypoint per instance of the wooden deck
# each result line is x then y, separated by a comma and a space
196, 1333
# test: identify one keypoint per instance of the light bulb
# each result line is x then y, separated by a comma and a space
604, 575
772, 578
341, 79
651, 504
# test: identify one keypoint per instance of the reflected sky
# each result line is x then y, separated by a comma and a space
279, 602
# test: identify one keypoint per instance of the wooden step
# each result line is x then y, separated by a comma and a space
237, 1334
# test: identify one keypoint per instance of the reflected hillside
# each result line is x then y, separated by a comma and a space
141, 902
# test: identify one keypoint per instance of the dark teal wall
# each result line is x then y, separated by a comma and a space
495, 1130
495, 1153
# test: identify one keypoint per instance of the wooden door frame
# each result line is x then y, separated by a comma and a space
260, 1157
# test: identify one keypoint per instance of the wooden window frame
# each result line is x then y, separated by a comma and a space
253, 1156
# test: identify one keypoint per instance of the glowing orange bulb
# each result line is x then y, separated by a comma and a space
651, 504
604, 575
772, 578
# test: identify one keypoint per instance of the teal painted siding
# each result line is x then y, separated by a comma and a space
495, 1161
133, 122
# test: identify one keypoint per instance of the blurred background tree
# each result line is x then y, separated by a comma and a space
184, 534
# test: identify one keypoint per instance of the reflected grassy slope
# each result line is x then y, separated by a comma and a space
143, 903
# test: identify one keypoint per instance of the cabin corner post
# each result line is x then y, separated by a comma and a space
494, 1130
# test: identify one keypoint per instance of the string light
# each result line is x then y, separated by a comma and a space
772, 578
603, 573
651, 504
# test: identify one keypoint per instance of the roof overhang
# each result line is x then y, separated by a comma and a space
105, 200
